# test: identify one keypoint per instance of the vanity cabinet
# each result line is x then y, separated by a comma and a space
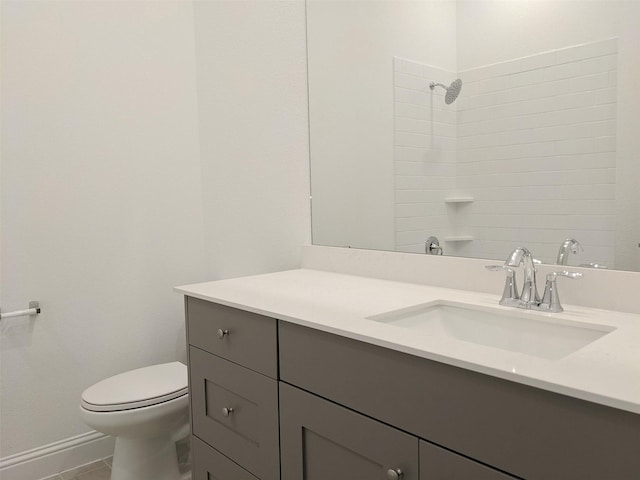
314, 405
439, 464
321, 440
528, 432
209, 464
233, 390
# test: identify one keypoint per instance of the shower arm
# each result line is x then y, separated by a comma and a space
433, 85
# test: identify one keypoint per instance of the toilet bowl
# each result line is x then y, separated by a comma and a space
147, 411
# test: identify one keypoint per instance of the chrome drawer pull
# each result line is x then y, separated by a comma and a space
396, 474
222, 333
227, 411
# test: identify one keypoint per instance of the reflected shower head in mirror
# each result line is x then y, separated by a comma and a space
453, 90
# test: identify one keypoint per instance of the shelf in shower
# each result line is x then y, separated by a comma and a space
459, 200
459, 238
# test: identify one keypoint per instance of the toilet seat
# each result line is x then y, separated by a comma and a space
137, 388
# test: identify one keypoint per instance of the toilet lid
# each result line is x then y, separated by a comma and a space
137, 388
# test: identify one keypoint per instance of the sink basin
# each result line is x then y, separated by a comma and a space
527, 332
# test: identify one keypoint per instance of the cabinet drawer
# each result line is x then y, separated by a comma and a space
251, 340
209, 464
321, 440
439, 464
247, 434
528, 432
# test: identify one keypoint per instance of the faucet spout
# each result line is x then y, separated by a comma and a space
529, 296
570, 245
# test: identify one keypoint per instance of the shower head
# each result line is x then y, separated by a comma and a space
453, 90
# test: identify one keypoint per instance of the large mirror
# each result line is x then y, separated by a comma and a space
539, 147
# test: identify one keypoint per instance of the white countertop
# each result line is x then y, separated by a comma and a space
606, 371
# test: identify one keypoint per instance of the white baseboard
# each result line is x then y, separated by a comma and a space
56, 457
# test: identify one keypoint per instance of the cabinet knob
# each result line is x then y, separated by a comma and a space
222, 333
395, 474
227, 411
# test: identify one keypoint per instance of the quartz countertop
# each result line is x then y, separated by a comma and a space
606, 371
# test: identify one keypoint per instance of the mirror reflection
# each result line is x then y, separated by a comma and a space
471, 127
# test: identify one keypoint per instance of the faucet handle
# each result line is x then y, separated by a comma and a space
551, 299
551, 277
497, 268
510, 296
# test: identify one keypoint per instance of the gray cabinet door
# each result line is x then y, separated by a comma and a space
235, 410
439, 464
209, 464
323, 441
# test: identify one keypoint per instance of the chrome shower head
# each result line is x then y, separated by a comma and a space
453, 90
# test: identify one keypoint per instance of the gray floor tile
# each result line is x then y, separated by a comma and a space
75, 472
101, 469
103, 473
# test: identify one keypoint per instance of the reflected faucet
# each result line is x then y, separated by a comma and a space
529, 297
570, 245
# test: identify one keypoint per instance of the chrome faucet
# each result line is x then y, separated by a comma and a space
529, 297
570, 245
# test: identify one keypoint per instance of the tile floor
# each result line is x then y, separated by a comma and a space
101, 470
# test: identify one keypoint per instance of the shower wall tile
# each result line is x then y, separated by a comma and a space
536, 148
424, 154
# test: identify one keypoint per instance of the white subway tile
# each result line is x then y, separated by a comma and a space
444, 116
605, 144
423, 196
574, 146
410, 154
416, 248
409, 223
407, 66
410, 209
539, 61
412, 125
410, 82
404, 139
587, 50
426, 169
404, 95
412, 236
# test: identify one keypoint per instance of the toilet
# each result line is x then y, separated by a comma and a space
147, 411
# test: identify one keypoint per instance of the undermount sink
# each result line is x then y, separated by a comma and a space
530, 333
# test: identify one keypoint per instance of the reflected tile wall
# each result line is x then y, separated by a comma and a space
532, 141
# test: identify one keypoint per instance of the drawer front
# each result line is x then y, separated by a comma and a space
235, 410
209, 464
251, 340
322, 440
439, 464
528, 432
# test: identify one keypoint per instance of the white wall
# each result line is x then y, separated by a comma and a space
107, 200
351, 49
252, 98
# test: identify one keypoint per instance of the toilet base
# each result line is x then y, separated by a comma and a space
145, 459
